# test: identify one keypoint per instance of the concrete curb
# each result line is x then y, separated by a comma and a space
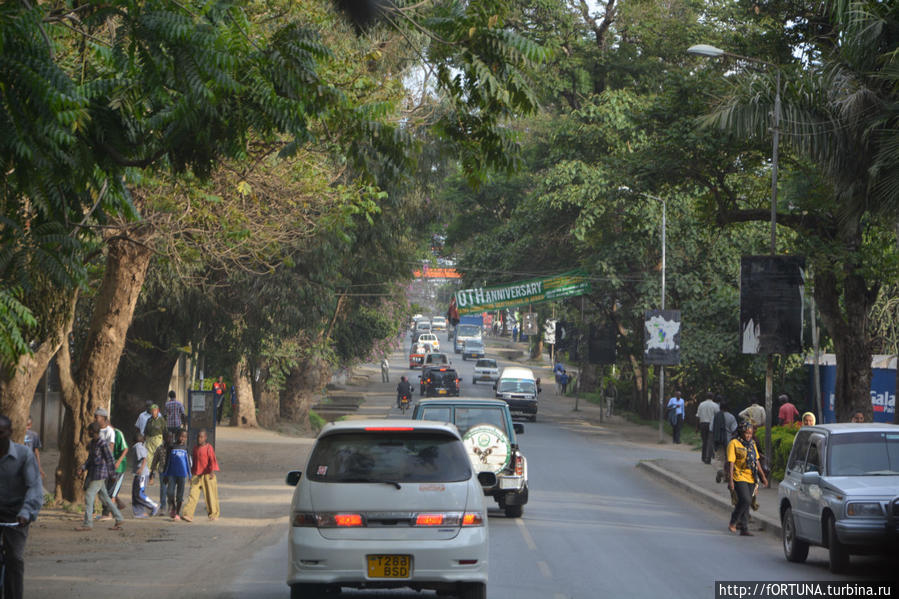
769, 525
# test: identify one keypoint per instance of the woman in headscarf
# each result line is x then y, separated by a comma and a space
745, 475
808, 419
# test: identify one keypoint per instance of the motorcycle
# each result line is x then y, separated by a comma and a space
404, 403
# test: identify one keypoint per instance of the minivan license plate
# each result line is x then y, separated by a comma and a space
441, 392
389, 566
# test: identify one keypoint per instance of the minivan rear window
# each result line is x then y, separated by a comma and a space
517, 386
362, 457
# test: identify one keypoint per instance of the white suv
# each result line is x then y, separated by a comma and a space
385, 504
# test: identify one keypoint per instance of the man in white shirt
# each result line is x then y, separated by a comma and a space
141, 423
676, 415
706, 414
755, 414
107, 433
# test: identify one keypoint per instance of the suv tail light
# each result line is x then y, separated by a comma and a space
519, 465
316, 520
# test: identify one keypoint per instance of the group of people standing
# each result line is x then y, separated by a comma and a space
160, 447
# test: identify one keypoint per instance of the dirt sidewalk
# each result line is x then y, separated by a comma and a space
160, 557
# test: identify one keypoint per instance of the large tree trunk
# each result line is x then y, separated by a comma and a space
844, 311
89, 386
144, 375
17, 385
303, 386
245, 414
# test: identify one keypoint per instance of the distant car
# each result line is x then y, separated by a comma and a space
429, 339
438, 323
473, 348
464, 332
485, 369
841, 491
388, 504
518, 388
440, 381
490, 436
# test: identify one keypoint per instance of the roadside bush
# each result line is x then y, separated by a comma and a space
316, 421
781, 443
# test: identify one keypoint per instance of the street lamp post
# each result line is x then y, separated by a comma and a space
713, 52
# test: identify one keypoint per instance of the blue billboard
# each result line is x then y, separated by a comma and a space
883, 387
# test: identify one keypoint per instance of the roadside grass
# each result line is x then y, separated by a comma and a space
688, 435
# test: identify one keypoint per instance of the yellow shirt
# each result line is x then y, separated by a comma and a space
736, 453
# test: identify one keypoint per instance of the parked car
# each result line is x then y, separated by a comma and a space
475, 418
440, 381
429, 339
473, 348
438, 323
518, 388
485, 369
841, 491
388, 504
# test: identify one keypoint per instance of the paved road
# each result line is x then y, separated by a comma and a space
595, 526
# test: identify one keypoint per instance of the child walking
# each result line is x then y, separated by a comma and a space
203, 480
177, 473
139, 500
157, 466
99, 467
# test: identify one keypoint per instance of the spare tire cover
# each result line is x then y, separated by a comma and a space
488, 448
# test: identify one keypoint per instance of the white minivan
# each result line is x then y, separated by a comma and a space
519, 388
387, 504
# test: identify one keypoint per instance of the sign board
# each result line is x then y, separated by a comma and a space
662, 330
549, 331
602, 343
201, 414
530, 324
771, 304
533, 291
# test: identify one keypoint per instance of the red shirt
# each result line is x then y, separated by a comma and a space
788, 413
204, 460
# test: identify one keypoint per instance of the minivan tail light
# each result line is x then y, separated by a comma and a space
519, 465
347, 520
389, 428
305, 519
472, 519
429, 520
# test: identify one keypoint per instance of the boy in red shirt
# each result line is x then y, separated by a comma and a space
203, 480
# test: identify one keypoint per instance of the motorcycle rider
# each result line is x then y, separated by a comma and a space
403, 388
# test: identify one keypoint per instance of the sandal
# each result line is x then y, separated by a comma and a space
732, 528
118, 526
83, 528
186, 519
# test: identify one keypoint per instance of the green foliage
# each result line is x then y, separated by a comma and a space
14, 318
782, 438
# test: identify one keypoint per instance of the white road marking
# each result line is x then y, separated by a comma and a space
528, 539
544, 569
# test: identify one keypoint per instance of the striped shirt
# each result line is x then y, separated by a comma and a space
99, 464
174, 413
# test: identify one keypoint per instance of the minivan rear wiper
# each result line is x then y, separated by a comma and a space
371, 480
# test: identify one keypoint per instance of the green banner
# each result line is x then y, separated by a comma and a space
511, 295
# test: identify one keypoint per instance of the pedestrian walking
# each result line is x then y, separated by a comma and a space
744, 476
98, 468
203, 480
234, 404
33, 442
107, 432
157, 466
141, 423
174, 414
563, 381
218, 388
787, 414
114, 483
558, 369
724, 427
385, 371
754, 414
21, 498
154, 430
143, 506
177, 473
675, 411
705, 412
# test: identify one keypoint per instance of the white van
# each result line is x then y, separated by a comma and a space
519, 388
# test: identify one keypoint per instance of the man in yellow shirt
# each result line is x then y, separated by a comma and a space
745, 474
